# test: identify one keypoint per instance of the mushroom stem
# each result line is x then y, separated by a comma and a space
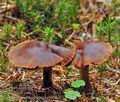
85, 77
47, 77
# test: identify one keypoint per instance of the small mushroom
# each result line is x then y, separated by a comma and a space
93, 52
32, 54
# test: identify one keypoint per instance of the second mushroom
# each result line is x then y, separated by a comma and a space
90, 52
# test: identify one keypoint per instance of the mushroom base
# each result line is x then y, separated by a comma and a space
85, 77
47, 77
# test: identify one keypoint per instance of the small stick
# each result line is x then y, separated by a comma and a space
70, 37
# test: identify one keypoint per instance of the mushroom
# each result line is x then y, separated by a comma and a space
32, 54
91, 52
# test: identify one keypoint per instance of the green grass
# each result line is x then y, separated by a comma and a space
48, 34
3, 58
107, 28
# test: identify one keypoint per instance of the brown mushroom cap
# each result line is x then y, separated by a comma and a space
93, 52
30, 54
96, 52
66, 53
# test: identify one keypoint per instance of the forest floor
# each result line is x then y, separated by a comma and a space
21, 85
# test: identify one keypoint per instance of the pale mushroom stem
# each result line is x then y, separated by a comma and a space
47, 77
85, 77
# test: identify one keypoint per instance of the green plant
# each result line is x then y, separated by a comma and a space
66, 11
107, 27
24, 6
7, 29
76, 26
69, 70
48, 34
5, 97
6, 33
116, 38
19, 29
78, 83
116, 42
3, 59
116, 7
73, 92
41, 13
37, 14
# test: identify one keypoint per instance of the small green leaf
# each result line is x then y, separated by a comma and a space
68, 89
76, 26
72, 95
77, 93
78, 83
5, 97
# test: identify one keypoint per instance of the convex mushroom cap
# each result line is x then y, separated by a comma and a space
30, 54
93, 52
